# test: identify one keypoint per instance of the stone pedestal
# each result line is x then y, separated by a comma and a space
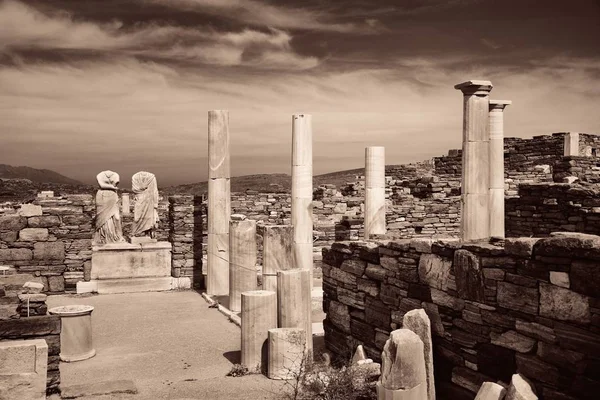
374, 191
302, 191
286, 352
496, 200
475, 220
259, 314
242, 261
127, 268
23, 369
76, 333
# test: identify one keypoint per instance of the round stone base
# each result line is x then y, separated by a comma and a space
77, 357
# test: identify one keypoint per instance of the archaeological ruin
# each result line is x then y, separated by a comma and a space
470, 275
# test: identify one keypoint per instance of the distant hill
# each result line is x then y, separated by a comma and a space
35, 175
274, 183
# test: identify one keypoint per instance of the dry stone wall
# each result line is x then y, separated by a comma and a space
530, 306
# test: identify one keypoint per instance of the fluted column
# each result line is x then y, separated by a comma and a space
302, 217
242, 261
496, 200
219, 203
374, 191
475, 220
259, 314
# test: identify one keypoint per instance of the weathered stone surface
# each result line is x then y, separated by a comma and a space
99, 389
403, 364
434, 271
563, 304
49, 251
56, 284
520, 389
375, 272
468, 378
46, 221
520, 247
443, 299
15, 254
469, 278
514, 341
490, 391
560, 279
339, 316
585, 277
17, 328
30, 210
518, 297
418, 322
532, 366
33, 234
355, 267
577, 245
577, 339
561, 357
433, 313
24, 369
535, 330
12, 222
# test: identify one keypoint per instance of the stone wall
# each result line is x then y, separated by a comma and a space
186, 234
586, 169
45, 327
531, 306
50, 239
549, 207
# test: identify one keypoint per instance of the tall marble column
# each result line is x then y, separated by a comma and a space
242, 261
475, 220
374, 191
219, 203
571, 146
496, 200
277, 253
302, 196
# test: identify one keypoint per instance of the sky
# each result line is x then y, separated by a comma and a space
126, 85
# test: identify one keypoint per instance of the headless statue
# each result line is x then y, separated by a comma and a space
145, 211
108, 220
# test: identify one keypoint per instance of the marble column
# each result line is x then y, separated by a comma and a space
277, 253
374, 191
242, 261
125, 204
475, 219
295, 302
259, 314
496, 200
302, 191
571, 146
286, 353
219, 203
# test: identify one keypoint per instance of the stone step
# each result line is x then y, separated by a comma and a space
133, 285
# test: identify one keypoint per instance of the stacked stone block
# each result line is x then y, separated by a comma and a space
531, 306
185, 234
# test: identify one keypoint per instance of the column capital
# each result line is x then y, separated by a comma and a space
499, 104
474, 86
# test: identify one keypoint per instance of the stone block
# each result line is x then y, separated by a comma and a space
490, 391
585, 278
12, 222
15, 255
520, 247
131, 261
468, 275
418, 322
339, 316
30, 210
434, 271
49, 251
563, 358
563, 304
43, 325
560, 279
33, 234
56, 284
514, 341
45, 221
24, 369
443, 299
517, 297
520, 389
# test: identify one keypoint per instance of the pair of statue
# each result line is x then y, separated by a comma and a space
108, 218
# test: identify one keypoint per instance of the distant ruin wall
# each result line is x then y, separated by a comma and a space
549, 207
532, 306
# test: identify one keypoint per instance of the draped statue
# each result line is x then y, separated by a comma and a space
145, 211
108, 220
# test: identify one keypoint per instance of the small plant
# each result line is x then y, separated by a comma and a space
238, 370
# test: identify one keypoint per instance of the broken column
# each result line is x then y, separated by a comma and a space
259, 314
242, 261
76, 342
277, 253
571, 145
125, 204
302, 195
403, 374
286, 352
475, 219
295, 302
219, 203
496, 200
374, 191
418, 322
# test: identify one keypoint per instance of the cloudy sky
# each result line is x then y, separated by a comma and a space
88, 85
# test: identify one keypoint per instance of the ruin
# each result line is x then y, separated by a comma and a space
481, 263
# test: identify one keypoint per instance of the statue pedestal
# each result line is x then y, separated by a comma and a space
127, 268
